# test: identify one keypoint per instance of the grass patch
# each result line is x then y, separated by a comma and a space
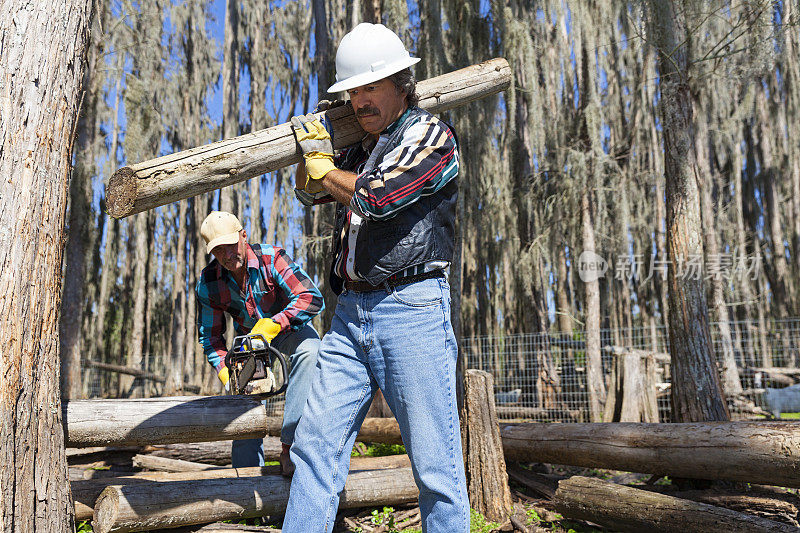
479, 524
790, 416
378, 450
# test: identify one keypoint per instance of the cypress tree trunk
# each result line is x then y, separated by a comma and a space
175, 357
43, 58
594, 362
139, 316
745, 287
778, 270
230, 90
111, 230
696, 390
730, 373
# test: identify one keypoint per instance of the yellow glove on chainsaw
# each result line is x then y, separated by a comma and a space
315, 141
266, 327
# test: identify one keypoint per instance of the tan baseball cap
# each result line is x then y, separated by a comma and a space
218, 228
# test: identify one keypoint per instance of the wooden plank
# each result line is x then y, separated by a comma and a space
139, 187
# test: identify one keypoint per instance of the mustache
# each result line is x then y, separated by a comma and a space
364, 111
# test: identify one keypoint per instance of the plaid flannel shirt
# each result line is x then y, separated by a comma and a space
275, 287
424, 162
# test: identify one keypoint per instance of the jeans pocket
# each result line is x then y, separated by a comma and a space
419, 294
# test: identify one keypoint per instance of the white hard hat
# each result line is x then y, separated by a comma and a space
370, 52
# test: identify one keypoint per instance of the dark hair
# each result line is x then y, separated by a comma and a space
407, 83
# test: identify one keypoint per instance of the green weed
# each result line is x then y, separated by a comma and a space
479, 524
383, 518
380, 450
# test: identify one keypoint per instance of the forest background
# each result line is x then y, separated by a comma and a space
569, 159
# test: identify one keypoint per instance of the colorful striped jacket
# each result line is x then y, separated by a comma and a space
419, 167
276, 288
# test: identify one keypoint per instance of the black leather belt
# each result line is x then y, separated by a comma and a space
365, 286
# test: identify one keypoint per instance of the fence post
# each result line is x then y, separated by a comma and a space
487, 480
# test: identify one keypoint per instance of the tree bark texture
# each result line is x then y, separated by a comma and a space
755, 452
136, 188
622, 508
144, 506
696, 390
487, 481
162, 420
41, 67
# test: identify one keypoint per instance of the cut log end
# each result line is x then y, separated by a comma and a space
121, 192
106, 510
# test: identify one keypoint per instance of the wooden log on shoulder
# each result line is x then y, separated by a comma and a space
85, 492
487, 481
622, 508
162, 420
136, 188
755, 452
150, 505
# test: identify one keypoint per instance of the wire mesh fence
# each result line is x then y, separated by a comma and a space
542, 377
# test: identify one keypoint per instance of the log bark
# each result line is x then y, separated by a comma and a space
487, 481
42, 61
380, 430
130, 371
764, 502
136, 188
545, 487
165, 464
156, 504
622, 508
755, 452
214, 453
85, 492
162, 420
633, 384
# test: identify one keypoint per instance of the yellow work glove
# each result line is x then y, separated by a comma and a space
224, 377
315, 141
266, 327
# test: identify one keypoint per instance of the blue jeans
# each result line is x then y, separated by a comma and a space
401, 342
301, 349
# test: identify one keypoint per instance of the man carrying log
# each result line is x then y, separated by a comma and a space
391, 329
265, 293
